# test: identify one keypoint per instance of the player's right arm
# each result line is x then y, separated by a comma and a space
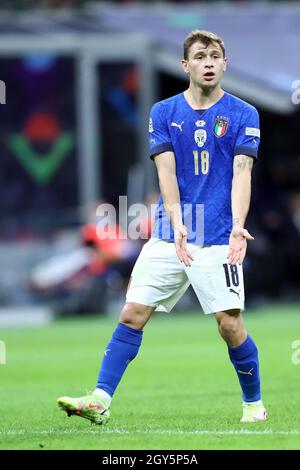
161, 151
166, 169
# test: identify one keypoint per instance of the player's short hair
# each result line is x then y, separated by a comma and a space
206, 37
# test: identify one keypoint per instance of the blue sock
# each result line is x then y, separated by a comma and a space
122, 348
245, 361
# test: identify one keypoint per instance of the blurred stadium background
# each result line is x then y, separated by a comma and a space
80, 79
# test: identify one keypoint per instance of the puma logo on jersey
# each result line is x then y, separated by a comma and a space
174, 124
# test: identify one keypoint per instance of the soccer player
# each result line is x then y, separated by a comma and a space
204, 142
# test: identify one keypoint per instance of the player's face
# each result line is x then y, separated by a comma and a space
205, 65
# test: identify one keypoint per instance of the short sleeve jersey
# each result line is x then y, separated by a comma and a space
204, 143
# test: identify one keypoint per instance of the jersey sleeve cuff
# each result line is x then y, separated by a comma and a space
251, 152
165, 147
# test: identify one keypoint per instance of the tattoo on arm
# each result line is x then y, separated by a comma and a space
241, 162
242, 165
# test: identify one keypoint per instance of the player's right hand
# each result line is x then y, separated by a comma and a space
180, 238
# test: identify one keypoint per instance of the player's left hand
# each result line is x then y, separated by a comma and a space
238, 245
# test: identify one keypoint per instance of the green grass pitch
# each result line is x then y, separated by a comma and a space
181, 392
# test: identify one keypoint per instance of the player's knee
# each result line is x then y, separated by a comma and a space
228, 328
135, 315
229, 325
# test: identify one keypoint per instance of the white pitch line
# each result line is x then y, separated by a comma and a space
201, 432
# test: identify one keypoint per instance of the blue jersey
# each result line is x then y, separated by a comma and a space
204, 143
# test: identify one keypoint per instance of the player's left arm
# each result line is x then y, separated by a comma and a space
240, 202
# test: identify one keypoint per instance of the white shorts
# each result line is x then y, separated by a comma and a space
159, 279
